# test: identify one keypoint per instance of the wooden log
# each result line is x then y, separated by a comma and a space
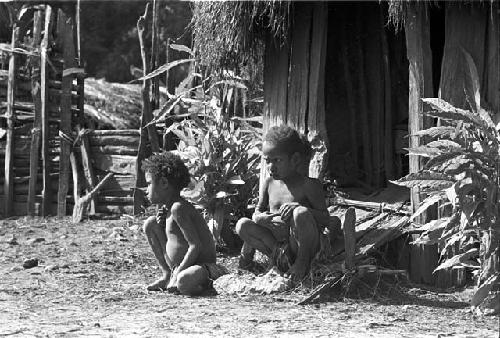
126, 141
125, 132
113, 150
44, 72
363, 105
66, 35
11, 89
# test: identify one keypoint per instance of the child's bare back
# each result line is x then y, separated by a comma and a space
195, 225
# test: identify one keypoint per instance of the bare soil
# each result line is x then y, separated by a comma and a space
90, 281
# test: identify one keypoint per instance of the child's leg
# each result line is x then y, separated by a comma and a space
254, 236
304, 241
157, 239
193, 280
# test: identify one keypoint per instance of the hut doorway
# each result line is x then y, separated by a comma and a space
366, 93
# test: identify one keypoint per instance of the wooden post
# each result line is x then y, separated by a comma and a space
147, 115
44, 75
37, 124
316, 125
420, 79
66, 34
155, 92
145, 118
9, 145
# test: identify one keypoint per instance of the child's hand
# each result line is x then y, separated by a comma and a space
286, 210
161, 215
264, 218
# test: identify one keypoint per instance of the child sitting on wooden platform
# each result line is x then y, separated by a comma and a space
291, 213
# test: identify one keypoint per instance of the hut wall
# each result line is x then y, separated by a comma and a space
474, 29
294, 83
114, 151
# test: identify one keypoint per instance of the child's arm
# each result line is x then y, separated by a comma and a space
262, 216
316, 197
181, 215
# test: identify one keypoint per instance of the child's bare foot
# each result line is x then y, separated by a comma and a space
297, 271
159, 285
172, 284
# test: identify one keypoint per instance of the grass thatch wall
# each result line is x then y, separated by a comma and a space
228, 33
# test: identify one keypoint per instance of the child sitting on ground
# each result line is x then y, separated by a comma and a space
179, 236
291, 211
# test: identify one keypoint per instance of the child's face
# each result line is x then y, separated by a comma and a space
157, 189
279, 164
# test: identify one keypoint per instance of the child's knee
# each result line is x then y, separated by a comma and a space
149, 224
242, 225
301, 212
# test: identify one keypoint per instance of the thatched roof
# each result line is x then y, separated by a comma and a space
227, 33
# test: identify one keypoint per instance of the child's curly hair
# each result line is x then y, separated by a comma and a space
288, 140
168, 165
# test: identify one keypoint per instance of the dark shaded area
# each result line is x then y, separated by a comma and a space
110, 45
355, 50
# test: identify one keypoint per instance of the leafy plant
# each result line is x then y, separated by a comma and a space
462, 175
222, 154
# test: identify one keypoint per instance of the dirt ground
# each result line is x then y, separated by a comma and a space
91, 277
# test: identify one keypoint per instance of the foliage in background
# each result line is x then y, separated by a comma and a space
110, 45
462, 173
223, 156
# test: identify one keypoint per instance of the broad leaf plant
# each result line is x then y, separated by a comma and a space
462, 176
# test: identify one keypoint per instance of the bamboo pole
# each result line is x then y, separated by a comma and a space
44, 75
37, 124
9, 156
